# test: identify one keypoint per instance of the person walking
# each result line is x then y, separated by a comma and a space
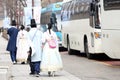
35, 36
51, 58
11, 46
22, 45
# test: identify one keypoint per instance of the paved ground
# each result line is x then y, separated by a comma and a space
21, 71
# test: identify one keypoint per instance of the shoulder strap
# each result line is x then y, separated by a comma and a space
34, 35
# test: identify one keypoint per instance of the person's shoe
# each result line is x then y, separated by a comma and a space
49, 73
22, 62
37, 75
53, 74
14, 62
31, 73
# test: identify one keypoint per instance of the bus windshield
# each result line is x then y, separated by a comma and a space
111, 4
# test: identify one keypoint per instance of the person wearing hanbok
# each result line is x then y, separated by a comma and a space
35, 36
22, 45
11, 46
51, 58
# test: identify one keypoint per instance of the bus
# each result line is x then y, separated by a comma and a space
81, 28
91, 26
110, 27
52, 14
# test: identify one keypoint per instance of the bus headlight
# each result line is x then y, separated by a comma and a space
97, 35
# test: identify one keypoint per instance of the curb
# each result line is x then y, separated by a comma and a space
5, 73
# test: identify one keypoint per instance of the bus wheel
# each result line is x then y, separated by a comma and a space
89, 56
68, 48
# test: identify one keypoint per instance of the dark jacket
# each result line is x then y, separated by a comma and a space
12, 32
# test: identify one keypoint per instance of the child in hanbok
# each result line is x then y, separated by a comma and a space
51, 58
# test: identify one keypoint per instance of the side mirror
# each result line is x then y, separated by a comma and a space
92, 9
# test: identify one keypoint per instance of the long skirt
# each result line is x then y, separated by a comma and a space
22, 50
51, 59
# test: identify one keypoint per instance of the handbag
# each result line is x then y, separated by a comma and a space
52, 43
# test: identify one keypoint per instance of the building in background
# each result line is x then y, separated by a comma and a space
44, 3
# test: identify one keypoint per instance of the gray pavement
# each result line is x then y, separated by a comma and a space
8, 71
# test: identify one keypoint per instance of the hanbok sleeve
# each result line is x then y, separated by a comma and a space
55, 36
17, 39
32, 47
43, 38
31, 44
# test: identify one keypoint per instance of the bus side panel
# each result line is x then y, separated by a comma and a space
75, 34
110, 27
111, 43
64, 40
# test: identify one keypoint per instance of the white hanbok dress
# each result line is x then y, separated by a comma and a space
51, 58
22, 46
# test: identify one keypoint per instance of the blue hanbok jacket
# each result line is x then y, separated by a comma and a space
12, 32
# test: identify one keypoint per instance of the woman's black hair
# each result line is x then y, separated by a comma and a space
13, 23
49, 27
22, 27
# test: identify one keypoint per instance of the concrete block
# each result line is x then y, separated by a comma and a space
4, 73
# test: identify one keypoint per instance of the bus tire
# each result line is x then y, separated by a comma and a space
89, 56
68, 47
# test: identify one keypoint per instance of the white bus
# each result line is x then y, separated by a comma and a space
92, 26
110, 26
81, 29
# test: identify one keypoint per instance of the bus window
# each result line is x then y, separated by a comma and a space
86, 7
72, 9
76, 7
97, 20
111, 4
94, 15
53, 20
81, 8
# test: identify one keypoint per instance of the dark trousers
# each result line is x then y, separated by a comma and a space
35, 67
13, 55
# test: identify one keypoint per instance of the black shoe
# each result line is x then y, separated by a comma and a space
22, 62
31, 73
49, 73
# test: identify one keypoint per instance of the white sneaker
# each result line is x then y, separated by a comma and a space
14, 62
53, 74
36, 75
